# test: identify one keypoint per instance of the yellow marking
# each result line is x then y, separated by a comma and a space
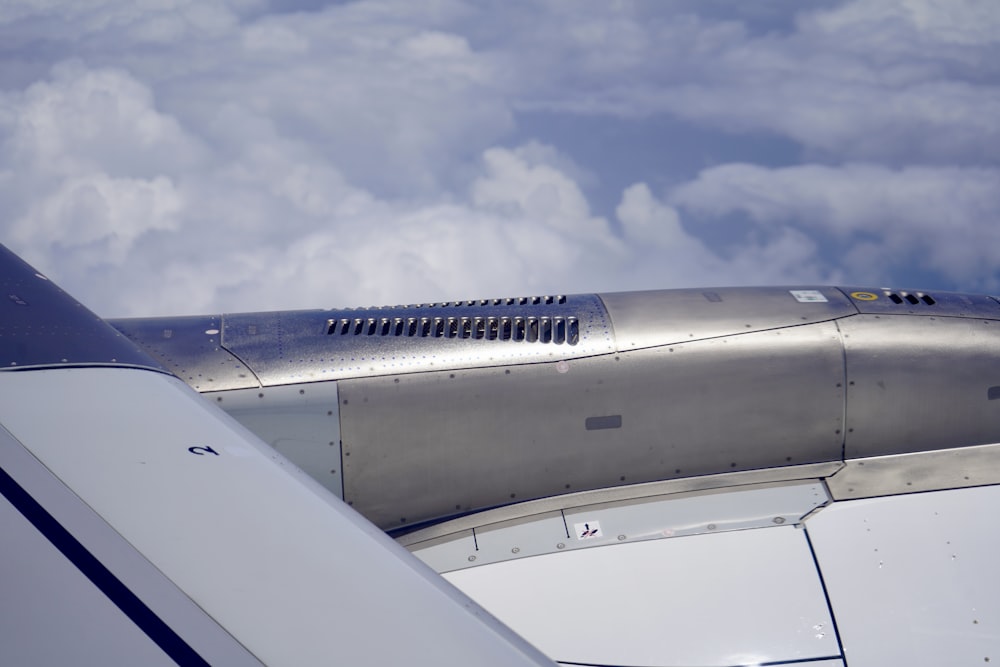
864, 296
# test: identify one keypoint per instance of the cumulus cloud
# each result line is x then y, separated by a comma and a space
875, 218
180, 156
899, 80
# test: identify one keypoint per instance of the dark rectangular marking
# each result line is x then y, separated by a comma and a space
713, 297
993, 393
601, 423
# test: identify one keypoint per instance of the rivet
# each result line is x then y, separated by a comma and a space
779, 520
621, 538
711, 526
560, 546
515, 550
472, 558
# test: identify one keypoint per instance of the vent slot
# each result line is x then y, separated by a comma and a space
532, 329
912, 298
557, 299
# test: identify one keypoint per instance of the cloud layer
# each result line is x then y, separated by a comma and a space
181, 156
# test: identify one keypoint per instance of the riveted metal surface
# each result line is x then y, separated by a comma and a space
917, 471
431, 445
302, 423
307, 346
918, 302
639, 519
663, 317
191, 348
920, 383
628, 493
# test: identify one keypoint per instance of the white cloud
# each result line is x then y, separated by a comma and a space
180, 156
936, 218
895, 80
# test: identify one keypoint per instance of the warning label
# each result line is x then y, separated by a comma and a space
808, 295
588, 530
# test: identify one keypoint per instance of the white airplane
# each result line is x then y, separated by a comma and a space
725, 477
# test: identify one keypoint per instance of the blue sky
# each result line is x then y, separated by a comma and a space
187, 156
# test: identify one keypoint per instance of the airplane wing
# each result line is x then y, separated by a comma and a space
141, 525
739, 476
725, 477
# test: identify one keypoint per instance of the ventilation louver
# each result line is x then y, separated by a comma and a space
912, 298
529, 329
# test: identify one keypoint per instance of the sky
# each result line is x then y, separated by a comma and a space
165, 157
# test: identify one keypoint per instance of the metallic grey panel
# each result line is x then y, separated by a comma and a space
452, 552
430, 445
191, 348
628, 493
919, 471
718, 510
308, 346
647, 518
920, 383
520, 538
646, 319
301, 422
915, 302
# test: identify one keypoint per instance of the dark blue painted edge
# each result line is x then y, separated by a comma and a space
145, 619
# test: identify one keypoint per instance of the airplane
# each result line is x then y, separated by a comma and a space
720, 476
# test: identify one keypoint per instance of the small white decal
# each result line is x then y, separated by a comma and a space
588, 530
808, 296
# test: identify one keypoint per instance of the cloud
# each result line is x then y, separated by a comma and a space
875, 219
185, 156
900, 80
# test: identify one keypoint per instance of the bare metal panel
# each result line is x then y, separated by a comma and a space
431, 445
646, 319
301, 422
519, 538
603, 524
920, 383
619, 494
718, 510
917, 471
886, 301
452, 552
191, 347
309, 346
